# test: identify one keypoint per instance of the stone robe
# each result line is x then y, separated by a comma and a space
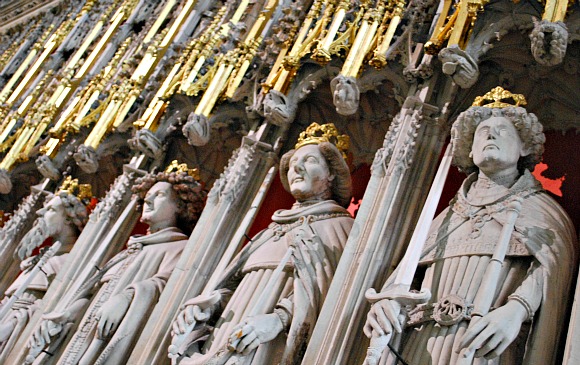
25, 306
317, 234
140, 272
536, 272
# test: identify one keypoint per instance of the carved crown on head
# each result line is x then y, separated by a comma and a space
72, 186
498, 97
175, 166
316, 134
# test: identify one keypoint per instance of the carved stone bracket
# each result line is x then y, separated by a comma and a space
278, 109
345, 94
460, 65
47, 168
87, 159
197, 129
549, 41
146, 142
5, 182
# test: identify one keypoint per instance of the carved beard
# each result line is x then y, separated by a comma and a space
36, 236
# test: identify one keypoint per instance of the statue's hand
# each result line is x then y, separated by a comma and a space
189, 316
253, 331
384, 317
51, 325
111, 314
492, 333
195, 310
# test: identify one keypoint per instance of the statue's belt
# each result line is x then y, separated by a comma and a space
448, 311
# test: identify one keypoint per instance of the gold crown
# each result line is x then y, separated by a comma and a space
497, 98
316, 134
72, 186
177, 167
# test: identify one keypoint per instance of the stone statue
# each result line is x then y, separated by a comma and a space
61, 219
117, 300
497, 144
267, 303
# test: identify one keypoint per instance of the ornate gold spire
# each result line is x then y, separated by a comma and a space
72, 186
316, 134
497, 98
177, 167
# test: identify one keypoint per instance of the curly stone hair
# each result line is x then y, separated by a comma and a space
76, 211
190, 193
529, 129
341, 185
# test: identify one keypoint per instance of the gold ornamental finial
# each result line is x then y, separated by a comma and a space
316, 134
177, 167
72, 186
497, 98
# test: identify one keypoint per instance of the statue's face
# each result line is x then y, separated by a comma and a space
160, 204
308, 174
54, 214
496, 145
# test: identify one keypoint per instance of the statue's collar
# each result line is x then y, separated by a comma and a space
480, 193
285, 216
166, 235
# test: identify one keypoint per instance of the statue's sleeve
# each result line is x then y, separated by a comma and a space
529, 293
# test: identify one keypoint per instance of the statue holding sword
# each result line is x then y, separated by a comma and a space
494, 267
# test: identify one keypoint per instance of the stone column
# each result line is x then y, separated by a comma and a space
401, 174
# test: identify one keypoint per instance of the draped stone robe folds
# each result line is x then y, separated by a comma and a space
317, 234
140, 273
28, 303
536, 272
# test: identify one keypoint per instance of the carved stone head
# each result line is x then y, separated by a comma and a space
278, 109
345, 94
62, 214
173, 195
483, 134
315, 172
87, 159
